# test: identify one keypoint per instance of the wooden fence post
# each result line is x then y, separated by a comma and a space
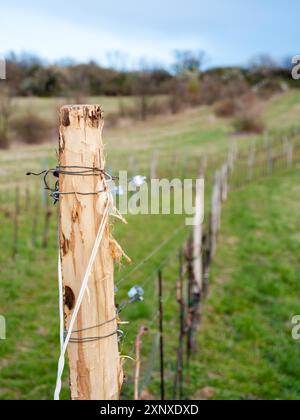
178, 382
251, 161
290, 154
270, 159
197, 237
269, 151
231, 158
206, 260
161, 336
16, 223
230, 161
94, 360
215, 212
195, 264
224, 182
27, 200
192, 301
48, 214
35, 218
288, 149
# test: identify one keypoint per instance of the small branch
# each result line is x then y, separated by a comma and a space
138, 341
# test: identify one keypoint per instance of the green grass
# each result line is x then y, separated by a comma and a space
283, 113
253, 280
245, 347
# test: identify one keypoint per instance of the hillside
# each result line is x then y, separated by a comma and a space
245, 350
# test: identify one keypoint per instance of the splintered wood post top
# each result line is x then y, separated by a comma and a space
95, 368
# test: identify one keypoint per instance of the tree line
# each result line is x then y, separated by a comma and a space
29, 75
238, 93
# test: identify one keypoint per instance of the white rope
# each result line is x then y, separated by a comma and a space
64, 343
61, 302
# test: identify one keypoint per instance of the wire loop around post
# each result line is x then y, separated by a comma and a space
75, 171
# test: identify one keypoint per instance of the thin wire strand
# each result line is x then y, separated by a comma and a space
62, 170
91, 339
150, 277
154, 252
95, 326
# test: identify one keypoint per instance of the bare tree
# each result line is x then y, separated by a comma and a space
142, 88
117, 60
189, 61
286, 63
263, 65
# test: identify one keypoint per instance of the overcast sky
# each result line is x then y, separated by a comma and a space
230, 31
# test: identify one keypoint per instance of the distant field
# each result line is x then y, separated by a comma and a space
254, 284
173, 138
281, 110
48, 107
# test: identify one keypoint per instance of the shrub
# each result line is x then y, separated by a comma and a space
31, 129
226, 108
245, 103
248, 123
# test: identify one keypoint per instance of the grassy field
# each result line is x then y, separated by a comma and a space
245, 344
173, 138
47, 108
